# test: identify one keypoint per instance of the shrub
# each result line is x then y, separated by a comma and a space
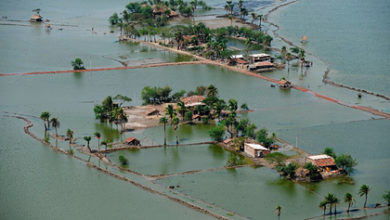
123, 160
217, 133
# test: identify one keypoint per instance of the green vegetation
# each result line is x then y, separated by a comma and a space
69, 135
217, 133
55, 123
164, 121
235, 160
386, 197
346, 162
123, 160
287, 170
88, 139
276, 157
110, 111
330, 152
157, 95
313, 171
331, 200
348, 198
363, 191
78, 64
45, 117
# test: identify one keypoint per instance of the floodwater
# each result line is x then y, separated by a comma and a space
37, 183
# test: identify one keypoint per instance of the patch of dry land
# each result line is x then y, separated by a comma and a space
213, 22
145, 116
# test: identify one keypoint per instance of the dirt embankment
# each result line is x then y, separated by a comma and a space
146, 188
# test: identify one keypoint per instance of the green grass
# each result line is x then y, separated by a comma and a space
276, 157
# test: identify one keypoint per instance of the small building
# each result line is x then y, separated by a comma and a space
255, 150
260, 57
323, 162
262, 66
133, 141
192, 101
36, 18
284, 84
153, 112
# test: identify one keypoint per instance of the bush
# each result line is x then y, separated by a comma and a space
217, 133
123, 160
313, 171
235, 160
346, 162
276, 157
188, 116
288, 170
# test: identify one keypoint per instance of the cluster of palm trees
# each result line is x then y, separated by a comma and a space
47, 121
331, 200
243, 11
55, 123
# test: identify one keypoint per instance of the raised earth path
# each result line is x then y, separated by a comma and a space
202, 60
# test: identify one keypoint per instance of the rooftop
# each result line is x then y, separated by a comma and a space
256, 146
131, 139
322, 160
259, 55
265, 63
190, 100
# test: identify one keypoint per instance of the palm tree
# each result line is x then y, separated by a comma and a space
348, 198
231, 20
229, 6
170, 112
164, 121
45, 117
278, 209
260, 17
98, 136
330, 200
335, 202
364, 189
181, 108
69, 135
288, 58
176, 122
254, 17
212, 91
233, 105
88, 139
323, 205
244, 13
55, 123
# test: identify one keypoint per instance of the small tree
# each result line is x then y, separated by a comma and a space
45, 117
123, 160
188, 116
386, 197
348, 198
55, 123
69, 135
323, 205
217, 133
88, 139
164, 121
330, 152
78, 64
364, 189
278, 209
346, 162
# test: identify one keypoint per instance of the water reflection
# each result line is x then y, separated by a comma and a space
109, 134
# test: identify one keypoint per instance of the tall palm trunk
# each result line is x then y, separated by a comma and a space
349, 206
48, 124
89, 147
56, 131
165, 136
324, 209
335, 209
365, 201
